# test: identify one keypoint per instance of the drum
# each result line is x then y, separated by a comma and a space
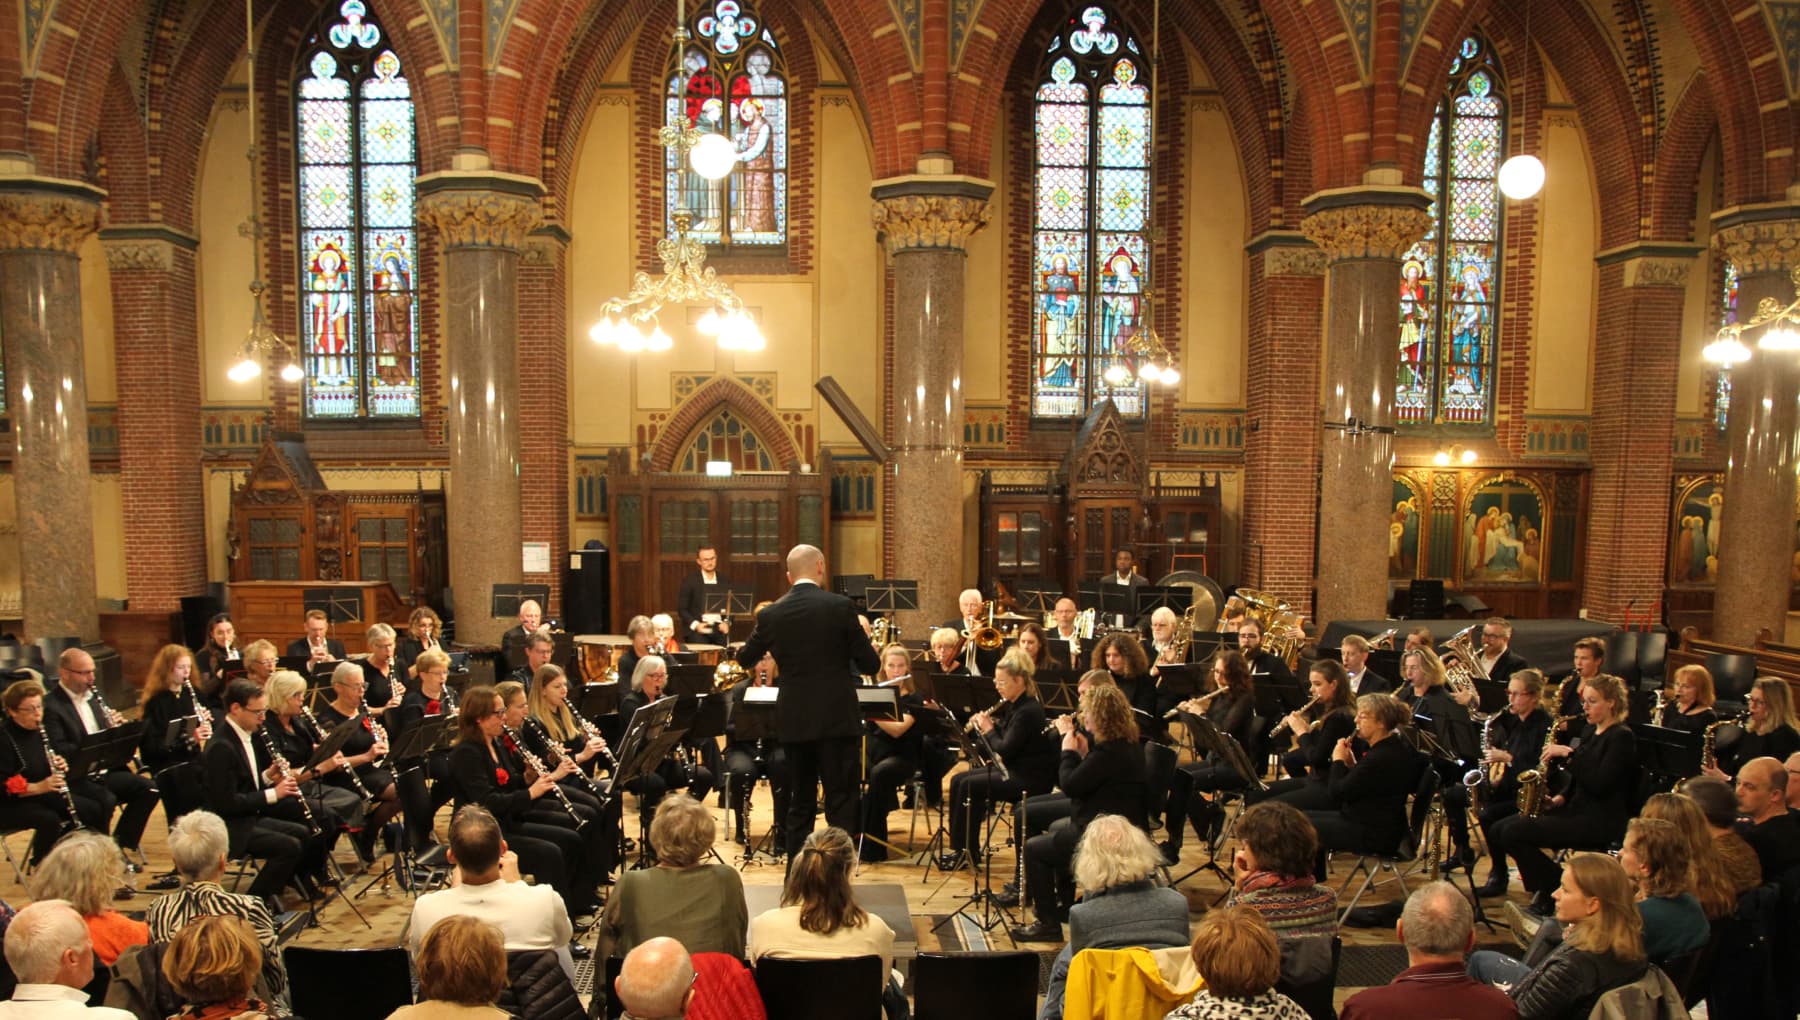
598, 653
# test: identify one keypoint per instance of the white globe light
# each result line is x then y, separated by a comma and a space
1521, 177
659, 341
1170, 375
1780, 338
1468, 456
244, 371
630, 339
605, 332
1149, 371
1115, 374
1441, 458
291, 372
709, 323
713, 156
1726, 351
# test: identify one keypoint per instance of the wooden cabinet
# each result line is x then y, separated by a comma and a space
275, 609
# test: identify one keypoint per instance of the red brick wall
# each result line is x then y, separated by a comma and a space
544, 495
1281, 441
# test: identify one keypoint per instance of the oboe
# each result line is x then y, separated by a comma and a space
59, 769
558, 754
536, 764
349, 770
285, 772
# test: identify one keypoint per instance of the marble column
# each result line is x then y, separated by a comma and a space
926, 223
1756, 537
43, 224
1363, 232
482, 219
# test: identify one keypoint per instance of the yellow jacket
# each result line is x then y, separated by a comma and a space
1132, 982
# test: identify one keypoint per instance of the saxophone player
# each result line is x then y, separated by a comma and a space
1514, 739
1591, 802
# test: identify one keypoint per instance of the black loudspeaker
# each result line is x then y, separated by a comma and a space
586, 597
1425, 600
195, 611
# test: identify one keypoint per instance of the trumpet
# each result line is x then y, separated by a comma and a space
536, 764
285, 772
1283, 724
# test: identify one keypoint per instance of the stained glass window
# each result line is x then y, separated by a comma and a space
1728, 297
359, 300
725, 437
1090, 220
1450, 280
736, 86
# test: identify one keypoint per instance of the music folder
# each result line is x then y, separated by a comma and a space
878, 703
107, 749
754, 717
332, 743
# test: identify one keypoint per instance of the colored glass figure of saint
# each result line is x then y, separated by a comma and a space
1095, 36
1415, 317
1471, 325
1118, 301
1060, 323
393, 320
754, 205
329, 304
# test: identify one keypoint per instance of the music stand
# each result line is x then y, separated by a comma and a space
1108, 600
1147, 598
1208, 643
890, 595
752, 720
331, 743
980, 753
1059, 689
599, 699
505, 599
726, 602
1666, 752
650, 738
1039, 600
1209, 740
1275, 700
1180, 681
852, 586
181, 731
419, 740
956, 691
107, 749
297, 663
1062, 650
690, 680
878, 703
338, 605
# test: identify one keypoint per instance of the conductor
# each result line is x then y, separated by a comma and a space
819, 648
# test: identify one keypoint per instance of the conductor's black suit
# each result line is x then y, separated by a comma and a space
820, 649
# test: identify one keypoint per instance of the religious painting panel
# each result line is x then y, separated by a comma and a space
1404, 531
1502, 532
1698, 515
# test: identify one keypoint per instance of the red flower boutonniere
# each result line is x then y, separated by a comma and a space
366, 726
502, 777
432, 707
15, 785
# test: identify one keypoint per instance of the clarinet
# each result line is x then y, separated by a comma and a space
113, 719
200, 711
588, 728
536, 764
60, 769
375, 728
556, 751
286, 771
349, 770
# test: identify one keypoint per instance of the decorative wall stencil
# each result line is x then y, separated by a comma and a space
442, 16
1217, 432
499, 20
963, 14
906, 15
1557, 437
1359, 19
36, 19
1413, 16
1784, 21
984, 428
590, 486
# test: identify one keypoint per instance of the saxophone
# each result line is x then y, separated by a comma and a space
1533, 782
1661, 709
1709, 754
1488, 773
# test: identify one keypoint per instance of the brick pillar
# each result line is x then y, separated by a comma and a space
43, 224
1363, 232
157, 352
926, 224
483, 220
1637, 353
544, 402
1756, 538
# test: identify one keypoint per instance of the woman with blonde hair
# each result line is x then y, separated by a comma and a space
698, 903
85, 868
294, 737
212, 965
259, 662
1014, 728
894, 750
1237, 956
461, 966
1769, 732
424, 633
1708, 878
819, 918
1596, 945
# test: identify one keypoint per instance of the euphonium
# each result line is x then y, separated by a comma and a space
1462, 673
878, 634
728, 675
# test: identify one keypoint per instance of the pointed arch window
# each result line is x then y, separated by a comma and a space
1728, 316
359, 301
1450, 281
737, 87
1090, 218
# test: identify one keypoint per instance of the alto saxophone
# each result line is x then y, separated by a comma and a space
1709, 754
1662, 708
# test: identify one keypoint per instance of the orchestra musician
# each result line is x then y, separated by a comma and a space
512, 643
37, 796
1120, 654
648, 679
539, 648
259, 662
361, 753
1768, 733
1124, 573
385, 688
1419, 637
893, 748
663, 626
746, 760
1232, 616
980, 661
1368, 793
1035, 645
1498, 660
483, 771
1515, 737
1101, 777
429, 701
947, 649
1162, 638
1427, 693
642, 634
1690, 705
576, 805
169, 695
1232, 709
423, 634
548, 703
1315, 731
1590, 656
1585, 805
1065, 613
71, 712
690, 601
261, 807
218, 651
1014, 728
1354, 651
295, 739
315, 644
1263, 663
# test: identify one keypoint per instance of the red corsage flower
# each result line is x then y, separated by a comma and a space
15, 785
500, 776
366, 725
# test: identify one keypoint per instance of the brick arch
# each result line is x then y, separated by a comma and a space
1742, 62
1316, 73
66, 92
122, 141
1685, 139
12, 86
703, 403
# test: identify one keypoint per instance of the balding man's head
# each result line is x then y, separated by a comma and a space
657, 978
1436, 923
47, 943
1792, 768
805, 562
1762, 789
530, 615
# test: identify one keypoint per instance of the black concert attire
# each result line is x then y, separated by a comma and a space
1030, 757
626, 664
690, 605
1597, 781
375, 779
1268, 666
296, 741
491, 776
1524, 740
1369, 682
745, 762
381, 685
419, 801
1141, 693
67, 721
407, 652
175, 769
889, 763
23, 760
512, 647
258, 824
1778, 744
1505, 666
1370, 799
1108, 781
210, 664
820, 650
1233, 715
1776, 842
669, 774
1695, 722
1309, 785
1450, 723
300, 648
599, 830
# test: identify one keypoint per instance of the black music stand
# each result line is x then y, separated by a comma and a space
692, 680
1109, 601
986, 913
107, 749
1208, 739
1178, 680
965, 695
1208, 643
1667, 753
872, 703
338, 605
1039, 600
297, 663
181, 731
331, 743
505, 599
1062, 650
854, 587
753, 720
1059, 689
726, 602
1148, 598
651, 737
889, 595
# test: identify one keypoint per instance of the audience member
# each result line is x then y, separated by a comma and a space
1719, 804
1707, 879
1655, 858
52, 956
1272, 875
1438, 928
461, 966
1773, 831
197, 844
85, 868
656, 981
698, 904
212, 965
1237, 956
819, 918
1596, 945
1792, 768
487, 887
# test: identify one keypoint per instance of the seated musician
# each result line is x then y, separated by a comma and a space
1768, 732
539, 648
1428, 694
1316, 728
641, 633
74, 709
576, 800
1231, 707
217, 652
674, 772
551, 716
315, 644
1354, 651
38, 794
1419, 637
512, 643
259, 662
424, 633
169, 695
1046, 809
1065, 613
1036, 646
746, 760
663, 626
1014, 729
1263, 663
1120, 654
946, 648
1368, 793
1514, 738
1498, 661
1232, 616
429, 702
365, 752
261, 807
696, 623
1105, 777
1586, 803
295, 738
385, 679
1689, 707
1590, 656
980, 661
484, 772
893, 749
1163, 648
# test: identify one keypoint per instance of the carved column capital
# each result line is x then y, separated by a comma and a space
924, 212
1759, 239
147, 246
1366, 231
485, 210
45, 214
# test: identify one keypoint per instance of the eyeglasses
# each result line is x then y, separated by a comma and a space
79, 672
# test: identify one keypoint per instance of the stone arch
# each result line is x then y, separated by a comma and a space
703, 403
1685, 138
1743, 64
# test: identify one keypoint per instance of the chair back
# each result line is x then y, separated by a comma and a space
1315, 996
1651, 997
1653, 657
724, 989
605, 1001
1733, 675
1622, 656
1159, 766
993, 986
347, 983
537, 987
844, 989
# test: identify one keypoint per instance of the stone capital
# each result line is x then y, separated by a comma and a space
46, 214
1366, 222
924, 212
1286, 253
1759, 239
481, 210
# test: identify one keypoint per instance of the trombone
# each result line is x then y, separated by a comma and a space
986, 637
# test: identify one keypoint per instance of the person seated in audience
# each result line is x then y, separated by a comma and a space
1719, 805
51, 955
1596, 945
1792, 767
424, 633
656, 980
1231, 708
488, 887
1655, 858
946, 651
1271, 872
1772, 830
819, 918
1769, 733
1122, 902
1707, 877
1237, 957
685, 897
85, 869
1438, 929
1369, 792
315, 644
212, 965
198, 844
461, 967
1689, 705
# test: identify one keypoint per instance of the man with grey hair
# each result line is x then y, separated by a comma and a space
198, 844
656, 981
50, 952
1438, 928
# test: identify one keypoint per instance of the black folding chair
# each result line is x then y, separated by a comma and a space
846, 989
993, 986
347, 984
